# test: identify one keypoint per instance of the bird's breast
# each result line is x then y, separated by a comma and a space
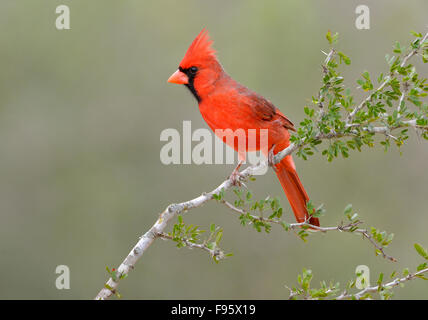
228, 114
224, 114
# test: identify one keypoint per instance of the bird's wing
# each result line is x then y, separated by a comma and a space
265, 110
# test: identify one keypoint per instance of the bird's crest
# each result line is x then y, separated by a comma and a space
200, 51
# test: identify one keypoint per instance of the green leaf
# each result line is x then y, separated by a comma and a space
379, 281
329, 37
397, 48
344, 58
348, 209
219, 236
421, 250
416, 34
285, 225
406, 272
421, 266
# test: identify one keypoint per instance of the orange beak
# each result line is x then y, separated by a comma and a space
179, 77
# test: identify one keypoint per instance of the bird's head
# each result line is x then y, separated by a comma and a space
199, 68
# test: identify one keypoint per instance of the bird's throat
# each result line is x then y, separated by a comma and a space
191, 82
191, 87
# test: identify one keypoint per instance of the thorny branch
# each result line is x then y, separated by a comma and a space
350, 227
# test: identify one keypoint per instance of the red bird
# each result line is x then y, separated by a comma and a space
226, 104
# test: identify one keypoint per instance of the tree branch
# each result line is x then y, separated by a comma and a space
350, 227
392, 284
213, 252
413, 52
364, 102
332, 135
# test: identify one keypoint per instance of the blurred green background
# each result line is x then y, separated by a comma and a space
81, 112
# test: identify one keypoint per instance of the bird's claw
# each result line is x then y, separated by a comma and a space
235, 177
271, 157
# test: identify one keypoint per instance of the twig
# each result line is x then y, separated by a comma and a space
392, 284
413, 52
213, 252
364, 102
400, 102
330, 55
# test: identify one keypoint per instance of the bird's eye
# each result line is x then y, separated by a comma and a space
193, 70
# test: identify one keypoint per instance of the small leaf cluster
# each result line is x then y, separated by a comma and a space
306, 291
262, 213
219, 196
381, 237
313, 212
116, 276
246, 203
181, 233
258, 213
352, 217
423, 253
213, 242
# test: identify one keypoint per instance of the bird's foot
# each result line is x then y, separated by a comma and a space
235, 177
271, 157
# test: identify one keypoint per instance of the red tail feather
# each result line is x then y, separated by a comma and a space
293, 188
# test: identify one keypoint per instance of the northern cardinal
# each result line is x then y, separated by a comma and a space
226, 104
